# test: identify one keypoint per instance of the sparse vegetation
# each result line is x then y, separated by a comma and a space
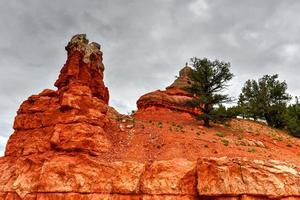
179, 128
160, 125
279, 138
225, 142
250, 129
220, 134
240, 137
252, 150
275, 136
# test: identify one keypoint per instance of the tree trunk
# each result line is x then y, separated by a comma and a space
269, 120
206, 122
206, 112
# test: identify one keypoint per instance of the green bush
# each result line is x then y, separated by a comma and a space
225, 142
292, 119
220, 134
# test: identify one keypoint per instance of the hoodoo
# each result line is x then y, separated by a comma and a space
173, 98
69, 144
84, 67
71, 118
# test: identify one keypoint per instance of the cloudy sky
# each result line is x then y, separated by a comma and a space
145, 43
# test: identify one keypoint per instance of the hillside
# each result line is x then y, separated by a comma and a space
69, 144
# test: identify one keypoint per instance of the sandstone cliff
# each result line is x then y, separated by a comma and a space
69, 144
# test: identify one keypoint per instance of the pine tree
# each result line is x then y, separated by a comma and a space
208, 80
265, 99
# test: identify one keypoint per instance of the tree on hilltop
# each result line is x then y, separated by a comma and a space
265, 99
292, 118
208, 81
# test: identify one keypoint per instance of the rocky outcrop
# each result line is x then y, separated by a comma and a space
223, 176
84, 66
172, 177
66, 145
183, 79
174, 97
73, 118
87, 177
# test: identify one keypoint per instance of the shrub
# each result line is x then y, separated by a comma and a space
292, 119
225, 142
220, 134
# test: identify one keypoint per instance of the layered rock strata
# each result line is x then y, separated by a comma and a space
87, 177
72, 118
174, 97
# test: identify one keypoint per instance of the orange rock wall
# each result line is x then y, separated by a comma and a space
57, 149
88, 177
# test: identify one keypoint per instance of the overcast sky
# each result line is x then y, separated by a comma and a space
145, 43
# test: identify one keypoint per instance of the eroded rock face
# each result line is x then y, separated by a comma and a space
224, 176
84, 66
172, 177
174, 97
85, 174
87, 177
73, 118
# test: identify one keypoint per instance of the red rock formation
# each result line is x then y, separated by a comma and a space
223, 176
67, 145
73, 117
84, 66
86, 177
173, 98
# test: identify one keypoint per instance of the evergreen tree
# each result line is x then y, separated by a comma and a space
292, 118
265, 99
222, 114
208, 80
